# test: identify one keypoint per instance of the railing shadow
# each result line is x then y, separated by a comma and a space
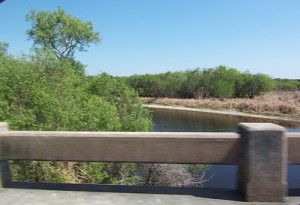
213, 193
294, 192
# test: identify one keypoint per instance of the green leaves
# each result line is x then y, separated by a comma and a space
132, 115
49, 91
60, 32
219, 82
3, 48
287, 84
44, 93
41, 92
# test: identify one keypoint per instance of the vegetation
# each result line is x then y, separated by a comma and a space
60, 32
192, 175
48, 90
281, 103
41, 92
221, 82
220, 88
287, 84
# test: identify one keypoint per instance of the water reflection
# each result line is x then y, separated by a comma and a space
165, 120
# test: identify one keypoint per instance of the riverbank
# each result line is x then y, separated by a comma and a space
278, 106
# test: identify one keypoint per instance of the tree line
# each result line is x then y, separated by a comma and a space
219, 82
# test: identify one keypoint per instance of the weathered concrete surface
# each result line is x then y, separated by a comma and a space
148, 147
4, 166
3, 126
46, 197
263, 162
293, 148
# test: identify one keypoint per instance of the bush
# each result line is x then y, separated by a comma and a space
220, 82
41, 92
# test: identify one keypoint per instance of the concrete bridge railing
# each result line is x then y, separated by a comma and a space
262, 152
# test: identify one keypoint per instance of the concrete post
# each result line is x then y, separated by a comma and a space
262, 174
3, 126
4, 165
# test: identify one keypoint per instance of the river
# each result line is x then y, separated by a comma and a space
224, 176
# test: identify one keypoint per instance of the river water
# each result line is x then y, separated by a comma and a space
222, 176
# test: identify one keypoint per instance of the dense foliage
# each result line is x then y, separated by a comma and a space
220, 82
128, 105
287, 84
41, 92
49, 91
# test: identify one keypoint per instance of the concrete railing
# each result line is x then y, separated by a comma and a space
261, 151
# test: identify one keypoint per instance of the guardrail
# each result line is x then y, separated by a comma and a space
261, 151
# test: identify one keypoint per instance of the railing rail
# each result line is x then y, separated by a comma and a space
151, 147
256, 147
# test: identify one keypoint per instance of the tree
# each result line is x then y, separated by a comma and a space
60, 32
3, 48
287, 84
41, 92
257, 84
223, 82
223, 89
173, 84
131, 113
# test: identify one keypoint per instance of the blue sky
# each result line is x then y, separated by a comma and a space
155, 36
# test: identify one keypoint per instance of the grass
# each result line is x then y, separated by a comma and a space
276, 104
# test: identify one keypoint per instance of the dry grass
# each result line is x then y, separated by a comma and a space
279, 103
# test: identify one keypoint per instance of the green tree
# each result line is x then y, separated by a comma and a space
206, 80
60, 32
49, 91
43, 93
287, 84
78, 67
3, 48
257, 84
223, 89
132, 115
195, 84
147, 85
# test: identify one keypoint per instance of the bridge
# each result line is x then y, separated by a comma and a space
262, 152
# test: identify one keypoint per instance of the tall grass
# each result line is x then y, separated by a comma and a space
275, 103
